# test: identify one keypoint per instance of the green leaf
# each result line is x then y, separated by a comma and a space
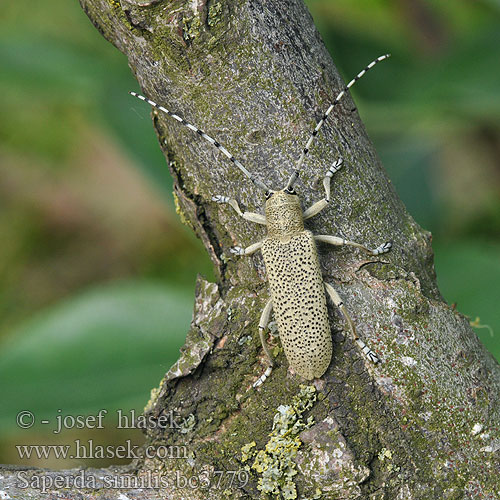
103, 349
468, 275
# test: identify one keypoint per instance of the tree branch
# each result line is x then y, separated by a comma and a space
422, 424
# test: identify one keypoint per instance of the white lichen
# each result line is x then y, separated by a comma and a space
275, 463
408, 361
477, 429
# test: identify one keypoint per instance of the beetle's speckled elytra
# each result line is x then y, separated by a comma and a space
297, 288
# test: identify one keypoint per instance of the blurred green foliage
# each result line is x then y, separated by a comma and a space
102, 349
96, 348
85, 194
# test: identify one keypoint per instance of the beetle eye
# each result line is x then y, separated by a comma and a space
268, 194
290, 191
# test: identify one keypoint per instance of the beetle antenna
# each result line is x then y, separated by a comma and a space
212, 141
296, 172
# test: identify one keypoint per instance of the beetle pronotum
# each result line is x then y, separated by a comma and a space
292, 266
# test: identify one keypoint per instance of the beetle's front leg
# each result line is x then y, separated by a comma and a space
337, 301
336, 241
264, 321
251, 216
321, 204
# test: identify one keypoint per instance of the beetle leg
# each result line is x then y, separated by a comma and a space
335, 298
264, 321
321, 204
315, 209
248, 250
251, 216
339, 242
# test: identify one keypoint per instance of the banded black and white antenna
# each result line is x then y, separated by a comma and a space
296, 172
205, 136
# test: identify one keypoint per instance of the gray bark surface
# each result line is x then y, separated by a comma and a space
423, 423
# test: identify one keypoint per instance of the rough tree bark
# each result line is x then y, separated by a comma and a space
422, 424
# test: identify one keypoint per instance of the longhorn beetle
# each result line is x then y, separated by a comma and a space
292, 266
